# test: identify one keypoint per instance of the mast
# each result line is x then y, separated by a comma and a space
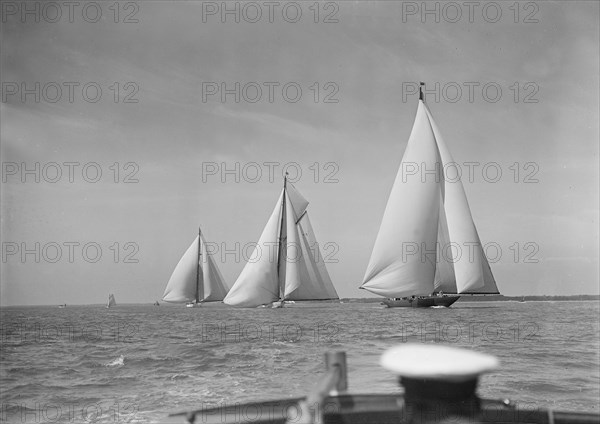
198, 266
422, 98
281, 292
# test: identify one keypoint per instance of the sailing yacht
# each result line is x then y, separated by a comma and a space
286, 264
427, 215
111, 301
196, 278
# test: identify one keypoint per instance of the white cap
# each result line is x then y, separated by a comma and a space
427, 361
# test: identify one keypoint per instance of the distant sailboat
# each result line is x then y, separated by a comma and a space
196, 278
426, 215
64, 305
111, 301
286, 264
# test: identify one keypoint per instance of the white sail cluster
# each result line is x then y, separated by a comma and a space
427, 214
196, 277
427, 242
286, 263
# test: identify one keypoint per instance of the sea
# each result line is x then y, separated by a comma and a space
139, 363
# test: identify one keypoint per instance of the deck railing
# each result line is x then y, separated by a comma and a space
333, 382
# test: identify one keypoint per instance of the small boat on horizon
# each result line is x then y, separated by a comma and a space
296, 271
426, 217
64, 305
111, 301
196, 279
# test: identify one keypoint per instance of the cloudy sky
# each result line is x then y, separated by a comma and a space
136, 92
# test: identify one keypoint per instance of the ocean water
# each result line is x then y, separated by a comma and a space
138, 363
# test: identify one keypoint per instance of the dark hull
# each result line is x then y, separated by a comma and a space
421, 302
377, 409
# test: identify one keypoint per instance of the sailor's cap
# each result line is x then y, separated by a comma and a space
434, 362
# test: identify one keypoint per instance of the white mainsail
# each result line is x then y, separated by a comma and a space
258, 284
196, 277
427, 218
287, 262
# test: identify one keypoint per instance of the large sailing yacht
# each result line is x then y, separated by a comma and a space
296, 270
427, 215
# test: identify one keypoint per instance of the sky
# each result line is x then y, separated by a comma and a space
133, 136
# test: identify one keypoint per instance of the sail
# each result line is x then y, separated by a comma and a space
258, 283
291, 258
196, 277
214, 289
427, 240
471, 268
398, 266
297, 272
316, 283
444, 280
181, 287
489, 283
297, 202
292, 251
111, 301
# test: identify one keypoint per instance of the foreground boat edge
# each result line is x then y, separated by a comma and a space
373, 408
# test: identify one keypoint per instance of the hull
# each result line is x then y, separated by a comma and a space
273, 305
421, 302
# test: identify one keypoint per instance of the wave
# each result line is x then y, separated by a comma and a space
120, 361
